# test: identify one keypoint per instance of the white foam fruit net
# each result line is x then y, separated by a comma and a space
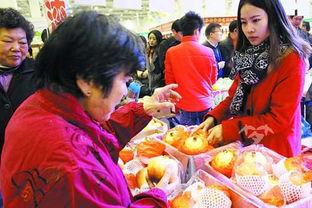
213, 198
254, 184
195, 189
292, 192
279, 168
133, 167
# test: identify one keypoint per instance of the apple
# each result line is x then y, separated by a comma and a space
157, 167
223, 161
182, 201
195, 144
294, 163
141, 178
255, 156
175, 135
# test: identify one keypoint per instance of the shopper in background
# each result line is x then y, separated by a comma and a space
155, 72
296, 21
213, 34
16, 69
62, 143
263, 105
193, 67
227, 47
173, 40
306, 27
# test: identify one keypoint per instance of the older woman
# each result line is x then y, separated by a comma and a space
62, 144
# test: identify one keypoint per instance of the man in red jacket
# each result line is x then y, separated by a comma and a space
192, 66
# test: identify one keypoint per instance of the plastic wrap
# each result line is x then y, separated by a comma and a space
229, 182
202, 177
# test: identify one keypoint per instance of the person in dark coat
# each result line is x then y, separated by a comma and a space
16, 69
174, 40
213, 34
227, 48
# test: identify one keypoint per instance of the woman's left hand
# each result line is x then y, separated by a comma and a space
215, 135
162, 101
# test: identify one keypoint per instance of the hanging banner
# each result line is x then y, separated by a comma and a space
55, 12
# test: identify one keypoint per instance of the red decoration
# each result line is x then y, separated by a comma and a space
55, 12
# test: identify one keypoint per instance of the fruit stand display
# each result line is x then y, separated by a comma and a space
251, 176
263, 176
204, 190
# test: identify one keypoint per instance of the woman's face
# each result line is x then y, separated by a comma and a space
152, 41
13, 46
255, 24
100, 107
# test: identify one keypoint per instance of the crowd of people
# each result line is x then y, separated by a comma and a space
60, 129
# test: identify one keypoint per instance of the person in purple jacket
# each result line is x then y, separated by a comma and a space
61, 146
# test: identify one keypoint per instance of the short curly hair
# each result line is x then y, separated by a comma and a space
11, 19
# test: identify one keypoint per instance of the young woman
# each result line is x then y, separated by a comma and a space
155, 73
263, 105
62, 143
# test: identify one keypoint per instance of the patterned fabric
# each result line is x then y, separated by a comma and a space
252, 66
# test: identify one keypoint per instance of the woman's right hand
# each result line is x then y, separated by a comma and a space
206, 125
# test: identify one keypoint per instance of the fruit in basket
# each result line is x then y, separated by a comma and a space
131, 180
255, 156
224, 189
299, 178
141, 178
175, 135
250, 168
273, 180
157, 167
194, 145
273, 197
126, 154
150, 148
223, 161
182, 201
294, 163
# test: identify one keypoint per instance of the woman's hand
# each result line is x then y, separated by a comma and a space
206, 125
215, 135
162, 101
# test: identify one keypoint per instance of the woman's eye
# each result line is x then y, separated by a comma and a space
7, 41
256, 20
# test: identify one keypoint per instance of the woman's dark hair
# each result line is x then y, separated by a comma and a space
157, 34
280, 30
190, 22
12, 19
90, 46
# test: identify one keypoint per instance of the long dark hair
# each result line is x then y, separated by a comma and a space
280, 30
90, 46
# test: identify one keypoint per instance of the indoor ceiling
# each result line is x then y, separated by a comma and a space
121, 14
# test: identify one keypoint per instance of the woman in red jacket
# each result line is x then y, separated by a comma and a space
263, 105
61, 145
